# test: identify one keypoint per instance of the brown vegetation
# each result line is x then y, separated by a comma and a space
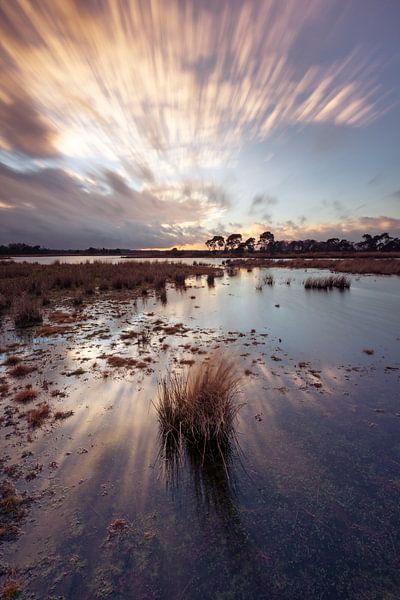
63, 414
30, 282
200, 407
26, 312
11, 510
20, 370
38, 415
12, 360
117, 361
358, 265
327, 283
10, 590
26, 395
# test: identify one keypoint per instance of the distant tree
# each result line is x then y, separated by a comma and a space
266, 241
233, 241
250, 243
332, 244
345, 246
216, 241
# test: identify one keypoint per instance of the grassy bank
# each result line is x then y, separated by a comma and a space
25, 287
364, 265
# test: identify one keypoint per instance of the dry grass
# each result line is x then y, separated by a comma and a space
27, 313
117, 361
38, 415
26, 395
12, 360
20, 370
340, 282
60, 415
30, 283
357, 265
11, 589
199, 408
269, 280
47, 330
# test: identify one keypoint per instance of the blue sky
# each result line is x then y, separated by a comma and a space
158, 124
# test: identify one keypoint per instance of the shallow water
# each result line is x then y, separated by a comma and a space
308, 508
48, 260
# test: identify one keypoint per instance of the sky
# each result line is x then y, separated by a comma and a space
160, 123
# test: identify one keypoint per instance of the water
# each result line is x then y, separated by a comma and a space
308, 508
49, 260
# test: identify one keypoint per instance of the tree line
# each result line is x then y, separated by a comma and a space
267, 243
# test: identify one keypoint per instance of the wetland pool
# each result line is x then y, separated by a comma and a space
308, 506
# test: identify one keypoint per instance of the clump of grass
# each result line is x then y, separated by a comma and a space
47, 330
160, 283
11, 589
180, 279
117, 361
211, 280
26, 395
269, 280
199, 408
38, 415
368, 351
20, 370
12, 360
327, 283
163, 297
11, 510
60, 415
27, 313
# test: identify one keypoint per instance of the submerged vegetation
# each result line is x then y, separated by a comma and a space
340, 282
199, 408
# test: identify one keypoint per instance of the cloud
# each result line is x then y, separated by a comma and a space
262, 201
220, 74
23, 129
350, 228
61, 208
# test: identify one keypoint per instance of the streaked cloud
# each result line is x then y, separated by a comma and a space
167, 85
125, 119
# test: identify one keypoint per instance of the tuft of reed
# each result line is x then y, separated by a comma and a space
269, 280
12, 360
211, 280
60, 415
180, 279
38, 415
26, 313
26, 395
340, 282
199, 408
20, 370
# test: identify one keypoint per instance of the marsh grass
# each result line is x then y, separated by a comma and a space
358, 265
269, 280
198, 409
26, 395
38, 415
340, 282
20, 370
30, 283
27, 313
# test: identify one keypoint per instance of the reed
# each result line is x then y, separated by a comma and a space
199, 408
340, 282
